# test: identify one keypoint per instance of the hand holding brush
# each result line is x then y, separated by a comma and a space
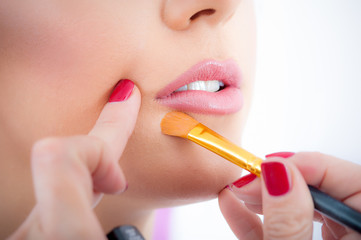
290, 190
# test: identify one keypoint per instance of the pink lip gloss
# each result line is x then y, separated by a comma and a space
226, 101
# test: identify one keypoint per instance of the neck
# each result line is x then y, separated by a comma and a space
113, 212
16, 186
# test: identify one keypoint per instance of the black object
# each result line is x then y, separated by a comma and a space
125, 232
325, 204
336, 210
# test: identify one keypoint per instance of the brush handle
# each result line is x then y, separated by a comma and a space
324, 203
336, 210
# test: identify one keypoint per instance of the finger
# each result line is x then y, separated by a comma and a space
327, 234
66, 170
244, 223
92, 156
117, 119
114, 126
334, 228
287, 203
331, 175
255, 208
248, 189
63, 186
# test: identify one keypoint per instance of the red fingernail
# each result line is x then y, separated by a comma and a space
275, 178
281, 154
122, 91
244, 180
122, 190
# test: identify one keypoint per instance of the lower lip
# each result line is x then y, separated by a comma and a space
227, 101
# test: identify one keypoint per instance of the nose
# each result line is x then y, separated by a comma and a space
181, 14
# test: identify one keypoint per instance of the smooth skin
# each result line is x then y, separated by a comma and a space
59, 62
71, 174
290, 216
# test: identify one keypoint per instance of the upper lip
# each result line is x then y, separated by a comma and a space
226, 71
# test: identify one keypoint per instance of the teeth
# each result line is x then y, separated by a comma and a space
184, 88
198, 85
208, 86
213, 86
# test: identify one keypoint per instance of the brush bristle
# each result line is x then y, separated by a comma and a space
177, 124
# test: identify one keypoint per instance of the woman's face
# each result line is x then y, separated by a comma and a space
60, 60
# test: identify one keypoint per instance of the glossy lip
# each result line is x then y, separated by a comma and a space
228, 100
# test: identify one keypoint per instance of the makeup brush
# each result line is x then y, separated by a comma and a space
182, 125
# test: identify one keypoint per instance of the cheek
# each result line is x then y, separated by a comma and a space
242, 38
176, 170
58, 66
169, 171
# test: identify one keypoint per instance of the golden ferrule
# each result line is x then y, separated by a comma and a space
214, 142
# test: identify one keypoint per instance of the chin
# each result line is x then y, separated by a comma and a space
166, 171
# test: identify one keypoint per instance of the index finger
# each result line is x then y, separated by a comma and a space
118, 117
114, 127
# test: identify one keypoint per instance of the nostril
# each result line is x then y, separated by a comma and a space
205, 12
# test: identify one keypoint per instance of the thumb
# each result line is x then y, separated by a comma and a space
287, 203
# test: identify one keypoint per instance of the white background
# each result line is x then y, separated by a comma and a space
307, 94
